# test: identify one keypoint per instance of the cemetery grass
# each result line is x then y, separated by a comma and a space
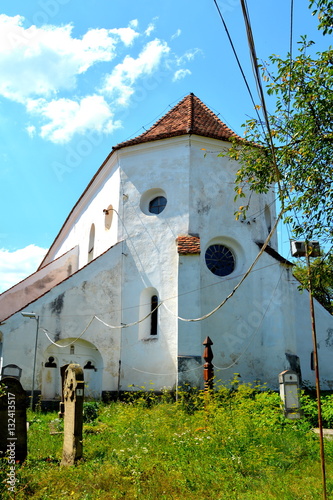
235, 445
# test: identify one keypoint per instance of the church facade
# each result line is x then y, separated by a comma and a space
146, 266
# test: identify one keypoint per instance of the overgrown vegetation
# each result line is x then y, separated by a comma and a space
293, 147
235, 445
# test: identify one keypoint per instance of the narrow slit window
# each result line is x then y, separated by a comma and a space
91, 243
154, 315
312, 363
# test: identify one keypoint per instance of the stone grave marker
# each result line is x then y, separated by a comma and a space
73, 417
13, 420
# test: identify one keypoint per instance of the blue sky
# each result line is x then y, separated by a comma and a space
78, 77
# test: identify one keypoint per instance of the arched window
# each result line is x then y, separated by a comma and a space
148, 328
91, 243
268, 219
154, 315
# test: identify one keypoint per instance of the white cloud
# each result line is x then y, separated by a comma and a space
67, 117
120, 83
31, 129
134, 23
126, 35
18, 265
180, 74
41, 61
150, 29
44, 68
177, 34
188, 56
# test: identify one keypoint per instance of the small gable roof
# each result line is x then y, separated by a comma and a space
188, 244
189, 116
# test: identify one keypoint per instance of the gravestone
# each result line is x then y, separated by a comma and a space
73, 417
13, 420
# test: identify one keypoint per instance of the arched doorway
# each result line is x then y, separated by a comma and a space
72, 351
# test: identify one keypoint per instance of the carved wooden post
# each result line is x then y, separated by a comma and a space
208, 366
73, 418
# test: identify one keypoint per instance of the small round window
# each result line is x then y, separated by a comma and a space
220, 260
157, 205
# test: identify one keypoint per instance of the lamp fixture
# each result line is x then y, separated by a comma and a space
29, 315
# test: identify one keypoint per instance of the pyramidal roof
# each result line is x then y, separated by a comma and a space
189, 116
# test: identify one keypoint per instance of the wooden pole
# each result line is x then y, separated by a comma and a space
208, 372
316, 367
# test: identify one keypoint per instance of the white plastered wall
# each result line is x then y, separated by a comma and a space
103, 192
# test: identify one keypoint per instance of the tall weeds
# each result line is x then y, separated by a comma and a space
235, 444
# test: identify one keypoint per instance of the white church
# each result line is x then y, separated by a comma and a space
132, 284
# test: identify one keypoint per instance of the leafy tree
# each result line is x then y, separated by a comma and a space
321, 280
324, 11
301, 132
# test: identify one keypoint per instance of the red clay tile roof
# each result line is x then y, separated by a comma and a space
188, 244
189, 116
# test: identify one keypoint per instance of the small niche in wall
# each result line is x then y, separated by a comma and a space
50, 363
91, 243
108, 213
89, 366
268, 219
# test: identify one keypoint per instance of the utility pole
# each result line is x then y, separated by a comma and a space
308, 251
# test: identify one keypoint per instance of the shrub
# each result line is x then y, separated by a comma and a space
90, 411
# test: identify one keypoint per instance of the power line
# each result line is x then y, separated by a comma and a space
237, 58
205, 316
256, 72
254, 333
122, 326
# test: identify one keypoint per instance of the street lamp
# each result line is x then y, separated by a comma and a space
35, 316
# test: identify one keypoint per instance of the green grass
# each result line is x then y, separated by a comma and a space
236, 445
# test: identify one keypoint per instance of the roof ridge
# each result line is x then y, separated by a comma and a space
188, 116
191, 113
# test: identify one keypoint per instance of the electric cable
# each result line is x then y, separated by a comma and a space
71, 343
205, 316
254, 333
237, 58
256, 72
166, 374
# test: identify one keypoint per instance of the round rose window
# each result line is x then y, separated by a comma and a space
220, 260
